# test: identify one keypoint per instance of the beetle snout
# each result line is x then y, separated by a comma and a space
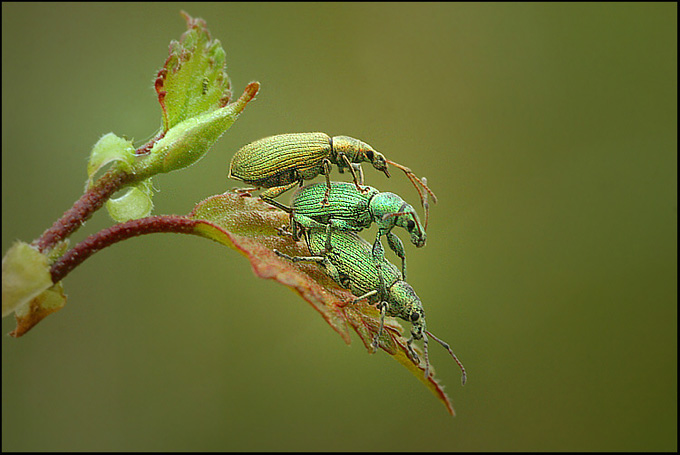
418, 239
379, 162
381, 165
418, 327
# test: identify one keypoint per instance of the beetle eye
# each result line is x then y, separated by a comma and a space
414, 316
369, 155
410, 225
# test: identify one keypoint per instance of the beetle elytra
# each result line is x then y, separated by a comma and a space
352, 265
277, 163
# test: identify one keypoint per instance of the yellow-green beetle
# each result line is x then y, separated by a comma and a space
280, 162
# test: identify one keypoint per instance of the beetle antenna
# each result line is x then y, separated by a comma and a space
376, 339
427, 359
448, 348
426, 204
412, 177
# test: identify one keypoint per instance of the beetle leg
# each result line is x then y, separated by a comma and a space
357, 167
284, 230
378, 250
244, 192
276, 204
290, 230
411, 351
318, 259
307, 222
333, 272
326, 164
354, 175
378, 253
328, 239
365, 296
296, 233
397, 246
298, 229
382, 293
376, 339
272, 192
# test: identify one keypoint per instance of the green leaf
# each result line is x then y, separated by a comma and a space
110, 149
189, 141
27, 288
250, 226
193, 79
194, 92
44, 304
25, 274
193, 89
135, 203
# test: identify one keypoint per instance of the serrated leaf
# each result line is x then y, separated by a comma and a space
250, 226
193, 79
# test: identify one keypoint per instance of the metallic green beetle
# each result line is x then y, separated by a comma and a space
279, 162
351, 210
351, 264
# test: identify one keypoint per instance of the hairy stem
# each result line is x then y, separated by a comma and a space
122, 231
83, 209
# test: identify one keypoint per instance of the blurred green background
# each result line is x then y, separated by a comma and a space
549, 133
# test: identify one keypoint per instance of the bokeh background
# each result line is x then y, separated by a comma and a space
549, 133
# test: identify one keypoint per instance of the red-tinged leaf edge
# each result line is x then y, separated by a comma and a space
202, 88
49, 301
250, 226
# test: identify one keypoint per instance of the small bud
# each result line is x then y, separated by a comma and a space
187, 142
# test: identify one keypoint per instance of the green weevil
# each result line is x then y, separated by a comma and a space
277, 163
352, 265
351, 210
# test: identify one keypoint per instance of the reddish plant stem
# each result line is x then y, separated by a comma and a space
104, 188
150, 225
146, 148
83, 209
